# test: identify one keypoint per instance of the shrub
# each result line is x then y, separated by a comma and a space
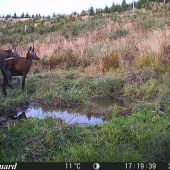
83, 13
66, 60
151, 23
118, 32
5, 40
136, 77
73, 30
110, 61
65, 32
147, 5
158, 62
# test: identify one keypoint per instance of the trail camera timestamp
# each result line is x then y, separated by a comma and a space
140, 165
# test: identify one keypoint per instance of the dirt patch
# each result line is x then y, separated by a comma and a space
107, 115
6, 119
8, 114
118, 95
58, 102
152, 99
13, 108
104, 113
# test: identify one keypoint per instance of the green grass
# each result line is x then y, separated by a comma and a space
64, 85
145, 91
143, 136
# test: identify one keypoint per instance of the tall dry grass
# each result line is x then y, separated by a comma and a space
136, 47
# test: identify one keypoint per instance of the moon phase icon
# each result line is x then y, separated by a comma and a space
96, 166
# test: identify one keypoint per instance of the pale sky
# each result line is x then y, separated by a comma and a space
48, 7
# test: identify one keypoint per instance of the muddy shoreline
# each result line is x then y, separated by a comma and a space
8, 113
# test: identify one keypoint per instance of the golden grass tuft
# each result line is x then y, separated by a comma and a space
110, 61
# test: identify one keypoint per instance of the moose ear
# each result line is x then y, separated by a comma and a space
33, 46
30, 49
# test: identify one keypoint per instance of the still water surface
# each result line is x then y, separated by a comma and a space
86, 114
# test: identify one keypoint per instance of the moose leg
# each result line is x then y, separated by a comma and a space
23, 82
7, 76
9, 82
4, 84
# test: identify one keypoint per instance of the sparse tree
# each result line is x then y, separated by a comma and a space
27, 15
22, 15
119, 9
91, 11
143, 2
98, 10
139, 5
113, 8
147, 5
124, 6
106, 10
74, 13
8, 16
15, 15
83, 13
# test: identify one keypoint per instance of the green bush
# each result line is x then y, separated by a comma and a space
151, 23
118, 32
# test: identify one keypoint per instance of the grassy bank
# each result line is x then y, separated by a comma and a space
66, 86
118, 53
142, 136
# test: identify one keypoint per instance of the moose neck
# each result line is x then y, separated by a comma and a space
7, 53
29, 57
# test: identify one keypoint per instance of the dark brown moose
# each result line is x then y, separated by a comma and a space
19, 67
8, 53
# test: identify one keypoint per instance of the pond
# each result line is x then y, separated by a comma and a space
86, 114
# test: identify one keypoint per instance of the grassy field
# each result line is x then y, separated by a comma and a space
126, 53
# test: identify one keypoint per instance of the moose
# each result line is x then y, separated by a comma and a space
18, 67
8, 53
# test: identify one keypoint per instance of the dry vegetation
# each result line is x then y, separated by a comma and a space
137, 48
139, 39
119, 53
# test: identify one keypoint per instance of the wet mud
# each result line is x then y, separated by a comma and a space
97, 108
